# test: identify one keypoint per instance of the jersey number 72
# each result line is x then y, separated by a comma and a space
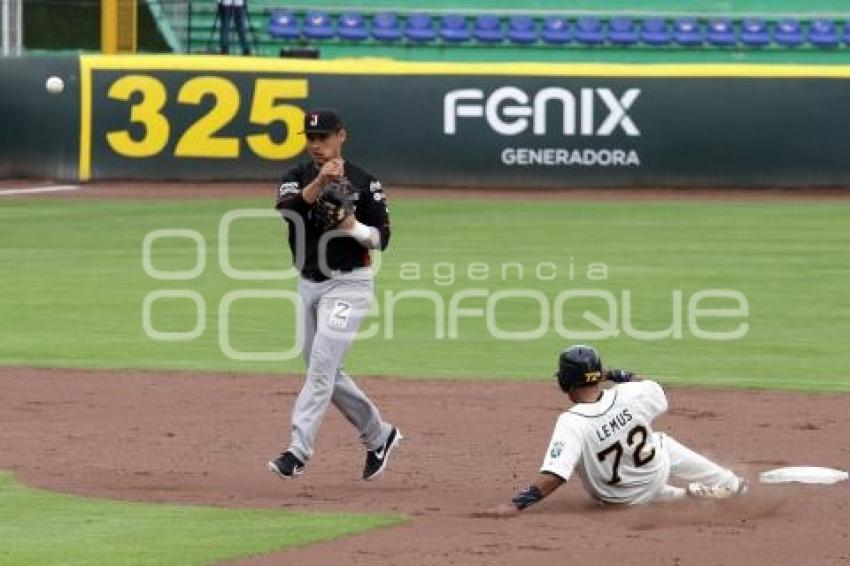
637, 454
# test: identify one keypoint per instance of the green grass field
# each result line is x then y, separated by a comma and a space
74, 287
39, 527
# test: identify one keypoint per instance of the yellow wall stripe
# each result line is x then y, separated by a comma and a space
85, 120
364, 66
109, 26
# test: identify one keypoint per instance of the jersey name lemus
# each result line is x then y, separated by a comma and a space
614, 425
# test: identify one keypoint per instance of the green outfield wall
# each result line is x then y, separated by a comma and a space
39, 131
451, 124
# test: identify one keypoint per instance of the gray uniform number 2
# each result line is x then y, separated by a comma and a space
340, 314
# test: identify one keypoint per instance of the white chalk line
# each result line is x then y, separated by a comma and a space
31, 190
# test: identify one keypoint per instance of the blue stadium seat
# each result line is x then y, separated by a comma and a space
454, 29
282, 25
317, 25
488, 29
847, 32
385, 27
556, 30
352, 27
622, 31
688, 32
754, 33
822, 33
655, 31
420, 28
588, 31
521, 30
788, 33
721, 33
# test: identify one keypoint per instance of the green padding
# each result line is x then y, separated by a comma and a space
734, 126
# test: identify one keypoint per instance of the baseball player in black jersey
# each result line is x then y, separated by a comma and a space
336, 213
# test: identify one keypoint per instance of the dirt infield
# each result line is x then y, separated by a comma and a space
193, 191
205, 438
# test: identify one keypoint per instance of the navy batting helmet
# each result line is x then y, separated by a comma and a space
577, 366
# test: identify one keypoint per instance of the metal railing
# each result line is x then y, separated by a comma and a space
11, 27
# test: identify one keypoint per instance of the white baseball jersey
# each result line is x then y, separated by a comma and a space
612, 443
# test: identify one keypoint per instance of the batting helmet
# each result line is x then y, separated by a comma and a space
577, 366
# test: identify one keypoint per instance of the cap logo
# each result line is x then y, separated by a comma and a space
314, 119
592, 376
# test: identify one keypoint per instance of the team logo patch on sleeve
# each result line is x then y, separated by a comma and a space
557, 448
375, 187
287, 189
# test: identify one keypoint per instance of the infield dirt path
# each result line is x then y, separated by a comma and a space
205, 439
196, 191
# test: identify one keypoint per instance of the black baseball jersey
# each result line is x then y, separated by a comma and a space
344, 253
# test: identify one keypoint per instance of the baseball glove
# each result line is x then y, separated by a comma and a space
334, 205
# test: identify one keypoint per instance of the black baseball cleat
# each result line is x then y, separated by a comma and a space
286, 466
376, 460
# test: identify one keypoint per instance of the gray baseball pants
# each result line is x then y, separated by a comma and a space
331, 315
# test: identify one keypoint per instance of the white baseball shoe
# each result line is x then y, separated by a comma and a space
721, 491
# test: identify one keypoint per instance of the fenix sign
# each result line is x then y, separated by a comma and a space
509, 110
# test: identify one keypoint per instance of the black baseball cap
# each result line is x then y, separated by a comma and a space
321, 122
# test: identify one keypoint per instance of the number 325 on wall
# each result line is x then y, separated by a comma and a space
202, 138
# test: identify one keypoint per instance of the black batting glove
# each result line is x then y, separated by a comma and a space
619, 375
